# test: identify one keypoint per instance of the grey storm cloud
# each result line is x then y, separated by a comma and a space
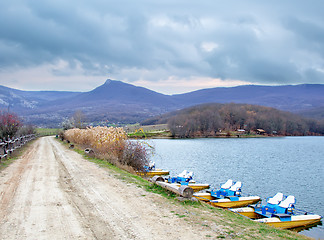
256, 41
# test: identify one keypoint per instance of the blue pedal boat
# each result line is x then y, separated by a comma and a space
228, 196
186, 178
279, 211
151, 171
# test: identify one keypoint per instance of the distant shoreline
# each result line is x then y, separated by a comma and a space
201, 137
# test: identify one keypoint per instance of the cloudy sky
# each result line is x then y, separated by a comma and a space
167, 46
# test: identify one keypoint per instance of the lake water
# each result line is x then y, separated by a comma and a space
265, 166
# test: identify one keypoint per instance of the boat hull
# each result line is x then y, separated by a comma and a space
206, 197
226, 202
195, 186
247, 212
241, 202
153, 173
295, 222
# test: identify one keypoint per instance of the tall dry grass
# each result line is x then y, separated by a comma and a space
111, 144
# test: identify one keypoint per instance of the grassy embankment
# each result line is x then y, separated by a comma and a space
224, 223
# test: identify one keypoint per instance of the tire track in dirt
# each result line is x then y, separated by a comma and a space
93, 206
37, 209
12, 184
80, 204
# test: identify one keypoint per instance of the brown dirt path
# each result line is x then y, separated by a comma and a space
53, 193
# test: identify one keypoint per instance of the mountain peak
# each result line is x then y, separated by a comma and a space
108, 81
114, 90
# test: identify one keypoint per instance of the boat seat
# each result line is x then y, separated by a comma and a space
228, 184
235, 190
237, 186
189, 175
272, 203
186, 174
183, 174
152, 165
224, 190
276, 199
288, 202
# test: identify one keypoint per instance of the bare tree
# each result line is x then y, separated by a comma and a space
79, 119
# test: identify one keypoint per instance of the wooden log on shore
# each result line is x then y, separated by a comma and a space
157, 179
183, 190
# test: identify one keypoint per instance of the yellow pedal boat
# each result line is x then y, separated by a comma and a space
195, 186
284, 221
185, 178
227, 202
152, 173
280, 212
228, 196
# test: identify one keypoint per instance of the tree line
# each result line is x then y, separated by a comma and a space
212, 119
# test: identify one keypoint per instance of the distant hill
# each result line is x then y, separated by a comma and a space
123, 92
19, 100
116, 101
291, 98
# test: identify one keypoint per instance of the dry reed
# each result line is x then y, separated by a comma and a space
111, 144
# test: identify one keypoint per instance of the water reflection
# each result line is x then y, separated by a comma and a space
306, 228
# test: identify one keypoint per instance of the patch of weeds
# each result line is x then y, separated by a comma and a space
221, 236
160, 190
208, 235
181, 215
6, 162
191, 203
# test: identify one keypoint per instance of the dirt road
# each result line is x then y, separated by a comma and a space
53, 193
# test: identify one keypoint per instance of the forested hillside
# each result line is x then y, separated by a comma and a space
215, 119
317, 113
